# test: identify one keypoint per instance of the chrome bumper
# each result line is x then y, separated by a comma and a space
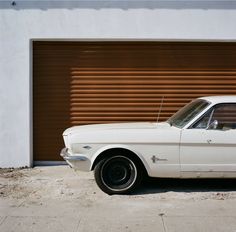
78, 161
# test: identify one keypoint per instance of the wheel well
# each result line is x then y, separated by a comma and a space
119, 151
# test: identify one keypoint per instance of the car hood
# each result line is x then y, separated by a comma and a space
116, 126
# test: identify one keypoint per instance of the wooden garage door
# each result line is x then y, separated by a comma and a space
76, 83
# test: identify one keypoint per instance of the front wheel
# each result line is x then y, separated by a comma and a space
117, 174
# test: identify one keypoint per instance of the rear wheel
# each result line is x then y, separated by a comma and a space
118, 174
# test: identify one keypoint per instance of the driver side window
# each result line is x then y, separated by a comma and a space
222, 116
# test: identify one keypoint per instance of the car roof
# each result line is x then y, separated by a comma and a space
220, 99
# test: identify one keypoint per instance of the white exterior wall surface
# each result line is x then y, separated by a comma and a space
83, 20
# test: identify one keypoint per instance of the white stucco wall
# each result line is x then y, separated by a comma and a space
27, 20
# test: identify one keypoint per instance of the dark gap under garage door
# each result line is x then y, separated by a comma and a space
76, 83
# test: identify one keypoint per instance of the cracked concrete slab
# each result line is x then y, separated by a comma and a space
49, 208
38, 224
2, 219
117, 218
59, 199
7, 206
201, 223
130, 224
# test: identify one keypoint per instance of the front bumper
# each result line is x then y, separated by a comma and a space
77, 161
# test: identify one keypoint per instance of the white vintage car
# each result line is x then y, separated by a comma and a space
199, 141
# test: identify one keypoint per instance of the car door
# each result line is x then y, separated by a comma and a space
208, 147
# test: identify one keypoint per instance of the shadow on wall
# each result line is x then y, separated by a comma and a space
120, 4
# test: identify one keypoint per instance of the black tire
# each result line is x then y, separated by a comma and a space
118, 174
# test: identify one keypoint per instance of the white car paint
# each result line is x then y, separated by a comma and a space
160, 140
208, 153
165, 150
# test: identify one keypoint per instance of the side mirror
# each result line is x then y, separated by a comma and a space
213, 125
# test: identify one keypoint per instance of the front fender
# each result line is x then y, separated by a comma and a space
122, 146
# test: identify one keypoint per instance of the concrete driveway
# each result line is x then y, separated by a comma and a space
59, 199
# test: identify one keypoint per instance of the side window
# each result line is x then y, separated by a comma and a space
223, 117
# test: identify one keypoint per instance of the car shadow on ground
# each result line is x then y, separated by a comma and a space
161, 185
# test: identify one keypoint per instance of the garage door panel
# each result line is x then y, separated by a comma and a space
76, 83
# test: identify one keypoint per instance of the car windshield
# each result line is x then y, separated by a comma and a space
187, 113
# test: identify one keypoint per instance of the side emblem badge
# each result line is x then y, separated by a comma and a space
155, 159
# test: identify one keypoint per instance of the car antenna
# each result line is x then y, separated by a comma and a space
160, 108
